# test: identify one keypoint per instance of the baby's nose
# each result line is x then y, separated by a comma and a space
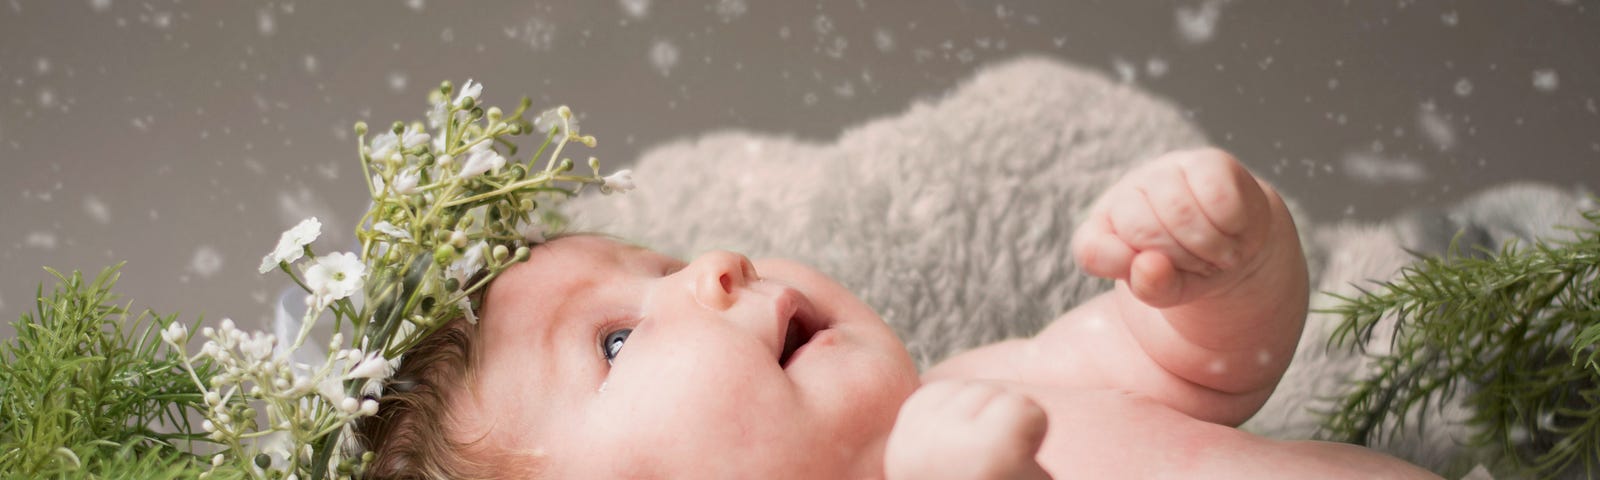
718, 277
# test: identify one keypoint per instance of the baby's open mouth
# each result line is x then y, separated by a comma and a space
795, 336
803, 325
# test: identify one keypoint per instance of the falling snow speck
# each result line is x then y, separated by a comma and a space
1463, 87
265, 23
41, 66
97, 210
637, 9
1155, 67
538, 33
1126, 72
417, 5
1198, 24
1436, 127
100, 5
310, 63
41, 240
884, 40
206, 261
1546, 80
397, 82
1450, 18
664, 56
729, 10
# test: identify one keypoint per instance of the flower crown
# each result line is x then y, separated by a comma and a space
449, 213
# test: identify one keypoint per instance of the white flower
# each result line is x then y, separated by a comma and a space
389, 229
257, 347
411, 137
175, 334
553, 118
620, 181
466, 311
482, 159
470, 89
386, 147
374, 367
333, 277
463, 268
369, 407
436, 115
291, 244
406, 182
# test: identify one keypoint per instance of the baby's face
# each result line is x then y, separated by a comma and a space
718, 368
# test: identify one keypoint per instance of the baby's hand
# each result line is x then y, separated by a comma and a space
1183, 227
966, 431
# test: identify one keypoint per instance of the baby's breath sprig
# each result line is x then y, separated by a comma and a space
450, 211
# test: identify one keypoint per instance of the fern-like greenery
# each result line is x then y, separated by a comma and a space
87, 390
1516, 331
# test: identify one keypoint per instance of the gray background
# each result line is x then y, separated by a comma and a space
184, 136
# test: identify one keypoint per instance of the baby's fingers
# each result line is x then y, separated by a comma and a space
1098, 250
1155, 281
1184, 219
1136, 222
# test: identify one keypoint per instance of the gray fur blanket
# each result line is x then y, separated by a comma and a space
953, 218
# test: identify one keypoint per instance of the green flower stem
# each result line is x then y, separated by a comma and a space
544, 177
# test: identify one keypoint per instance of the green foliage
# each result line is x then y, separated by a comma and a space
87, 392
1516, 331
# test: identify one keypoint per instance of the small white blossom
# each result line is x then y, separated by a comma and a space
369, 407
291, 244
386, 147
481, 159
469, 89
333, 277
620, 181
374, 367
436, 116
406, 182
257, 347
466, 311
465, 267
412, 137
556, 117
389, 229
175, 334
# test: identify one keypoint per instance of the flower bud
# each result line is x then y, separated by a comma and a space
369, 407
445, 87
527, 205
361, 128
477, 112
445, 254
450, 285
522, 254
350, 404
399, 127
263, 460
594, 164
468, 103
564, 166
217, 460
495, 114
587, 140
500, 253
212, 398
444, 160
514, 129
458, 239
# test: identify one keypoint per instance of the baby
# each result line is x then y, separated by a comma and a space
599, 359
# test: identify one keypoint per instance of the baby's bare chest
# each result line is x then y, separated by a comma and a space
1113, 434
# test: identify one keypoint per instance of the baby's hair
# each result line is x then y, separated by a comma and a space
413, 434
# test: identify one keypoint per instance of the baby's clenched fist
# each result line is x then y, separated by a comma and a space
1184, 226
966, 431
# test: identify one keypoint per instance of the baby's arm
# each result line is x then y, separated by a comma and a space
1211, 294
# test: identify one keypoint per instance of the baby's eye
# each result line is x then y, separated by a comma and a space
611, 344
